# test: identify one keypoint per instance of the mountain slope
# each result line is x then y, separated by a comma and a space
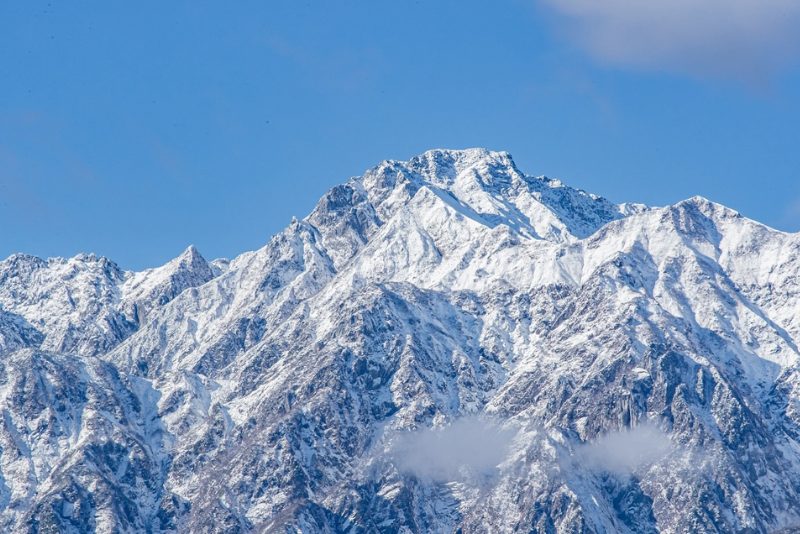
87, 304
592, 367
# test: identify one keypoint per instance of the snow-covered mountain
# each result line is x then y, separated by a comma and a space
442, 345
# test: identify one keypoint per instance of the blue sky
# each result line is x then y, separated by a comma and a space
132, 129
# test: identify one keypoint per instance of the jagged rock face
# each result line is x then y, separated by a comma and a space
636, 369
80, 447
86, 305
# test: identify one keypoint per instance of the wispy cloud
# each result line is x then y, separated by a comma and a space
625, 452
466, 449
744, 39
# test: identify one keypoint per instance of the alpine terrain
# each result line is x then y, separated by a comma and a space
442, 345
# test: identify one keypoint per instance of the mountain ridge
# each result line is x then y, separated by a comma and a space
270, 392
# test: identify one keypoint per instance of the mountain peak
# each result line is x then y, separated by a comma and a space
191, 257
190, 262
444, 166
463, 157
19, 260
706, 207
487, 186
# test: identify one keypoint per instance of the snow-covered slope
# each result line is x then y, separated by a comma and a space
86, 305
584, 366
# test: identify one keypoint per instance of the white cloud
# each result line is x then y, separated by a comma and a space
466, 449
625, 452
744, 39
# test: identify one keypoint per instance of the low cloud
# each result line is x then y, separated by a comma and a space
744, 39
625, 452
469, 448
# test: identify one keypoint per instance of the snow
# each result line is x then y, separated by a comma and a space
259, 392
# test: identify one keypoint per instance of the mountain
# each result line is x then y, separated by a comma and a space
443, 345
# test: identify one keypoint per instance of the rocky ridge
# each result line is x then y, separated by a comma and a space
450, 292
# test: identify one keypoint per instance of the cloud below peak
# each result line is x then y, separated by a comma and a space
468, 448
747, 40
626, 451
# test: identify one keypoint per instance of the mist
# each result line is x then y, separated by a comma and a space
625, 452
469, 448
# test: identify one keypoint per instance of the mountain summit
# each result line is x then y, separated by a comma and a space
443, 344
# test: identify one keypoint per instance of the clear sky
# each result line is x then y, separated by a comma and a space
132, 129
